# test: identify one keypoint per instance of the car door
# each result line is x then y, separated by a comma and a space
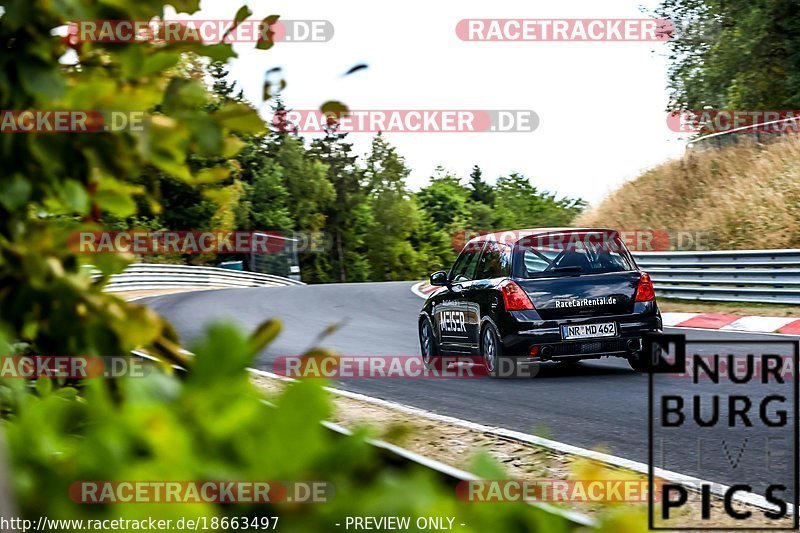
456, 316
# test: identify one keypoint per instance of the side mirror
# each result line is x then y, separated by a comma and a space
439, 279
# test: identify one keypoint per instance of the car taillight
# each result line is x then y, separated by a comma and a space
514, 297
645, 292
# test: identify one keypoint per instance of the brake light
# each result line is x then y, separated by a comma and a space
514, 297
645, 291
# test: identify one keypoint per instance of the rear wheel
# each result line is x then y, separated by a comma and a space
492, 353
427, 343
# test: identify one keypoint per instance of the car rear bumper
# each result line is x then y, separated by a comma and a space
546, 337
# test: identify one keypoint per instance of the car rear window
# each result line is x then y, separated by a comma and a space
570, 254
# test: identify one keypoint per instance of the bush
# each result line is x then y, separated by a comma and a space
212, 426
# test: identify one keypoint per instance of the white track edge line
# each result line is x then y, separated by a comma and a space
690, 482
668, 475
434, 464
722, 341
674, 477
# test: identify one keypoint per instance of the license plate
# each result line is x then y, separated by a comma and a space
588, 331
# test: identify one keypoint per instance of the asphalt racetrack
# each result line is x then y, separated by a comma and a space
599, 404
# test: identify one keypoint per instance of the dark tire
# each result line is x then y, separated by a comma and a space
429, 351
492, 354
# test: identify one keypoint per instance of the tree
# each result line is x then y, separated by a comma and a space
348, 217
480, 190
436, 246
264, 205
211, 423
309, 196
395, 216
445, 200
521, 205
734, 54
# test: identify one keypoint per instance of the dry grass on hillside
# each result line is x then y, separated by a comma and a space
745, 196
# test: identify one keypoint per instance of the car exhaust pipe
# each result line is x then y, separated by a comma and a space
634, 345
547, 352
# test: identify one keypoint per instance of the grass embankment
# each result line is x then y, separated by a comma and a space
745, 196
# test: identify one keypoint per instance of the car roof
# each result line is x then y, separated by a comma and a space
522, 233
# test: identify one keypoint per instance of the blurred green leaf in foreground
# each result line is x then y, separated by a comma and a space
211, 424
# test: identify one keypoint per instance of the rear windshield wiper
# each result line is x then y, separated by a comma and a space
567, 269
552, 273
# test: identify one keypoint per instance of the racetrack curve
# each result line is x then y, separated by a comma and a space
598, 404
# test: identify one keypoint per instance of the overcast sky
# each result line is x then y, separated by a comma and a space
601, 105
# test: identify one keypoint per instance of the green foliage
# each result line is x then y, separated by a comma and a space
203, 161
446, 200
513, 202
265, 201
349, 217
739, 54
214, 426
374, 227
519, 204
395, 215
481, 192
309, 195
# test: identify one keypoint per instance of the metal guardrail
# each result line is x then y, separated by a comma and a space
391, 454
144, 276
561, 519
750, 133
753, 276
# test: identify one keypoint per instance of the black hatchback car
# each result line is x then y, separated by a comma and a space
530, 296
